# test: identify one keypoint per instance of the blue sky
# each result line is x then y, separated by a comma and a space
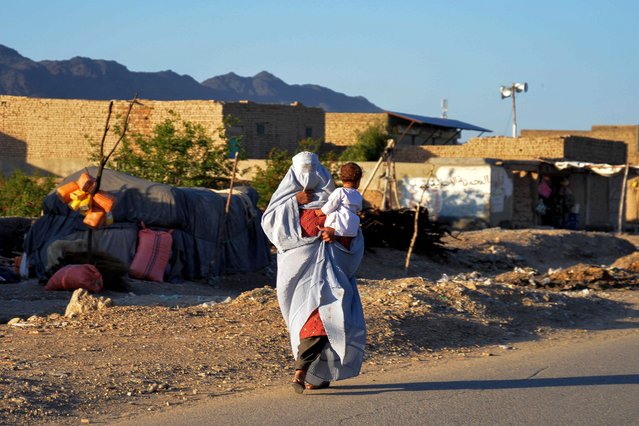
579, 58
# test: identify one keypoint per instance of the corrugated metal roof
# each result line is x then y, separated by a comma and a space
441, 122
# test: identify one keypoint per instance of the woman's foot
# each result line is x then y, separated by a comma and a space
322, 385
298, 381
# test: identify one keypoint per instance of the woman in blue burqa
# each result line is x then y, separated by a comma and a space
316, 287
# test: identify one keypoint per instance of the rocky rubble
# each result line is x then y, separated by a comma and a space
82, 302
102, 363
576, 277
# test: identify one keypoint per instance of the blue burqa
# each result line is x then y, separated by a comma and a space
312, 274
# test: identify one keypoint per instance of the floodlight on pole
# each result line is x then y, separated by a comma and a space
509, 91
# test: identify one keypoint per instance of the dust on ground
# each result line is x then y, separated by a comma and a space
179, 344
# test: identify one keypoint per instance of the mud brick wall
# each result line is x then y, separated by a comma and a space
524, 148
33, 128
342, 128
627, 134
267, 126
62, 128
53, 135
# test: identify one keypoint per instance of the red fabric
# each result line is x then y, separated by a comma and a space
152, 255
309, 222
313, 326
345, 241
73, 277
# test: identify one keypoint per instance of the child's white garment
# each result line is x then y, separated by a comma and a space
341, 211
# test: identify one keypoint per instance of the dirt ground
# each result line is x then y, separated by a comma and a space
162, 345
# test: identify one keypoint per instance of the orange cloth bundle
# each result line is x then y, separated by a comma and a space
105, 200
64, 192
96, 209
86, 182
94, 218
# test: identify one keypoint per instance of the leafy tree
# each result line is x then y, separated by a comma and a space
177, 153
22, 195
369, 146
267, 179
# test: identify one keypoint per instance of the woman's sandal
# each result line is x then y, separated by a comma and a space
322, 385
298, 385
298, 381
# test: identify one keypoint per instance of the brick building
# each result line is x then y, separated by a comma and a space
407, 129
524, 162
577, 148
626, 134
53, 135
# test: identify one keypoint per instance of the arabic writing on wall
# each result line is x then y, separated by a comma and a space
436, 183
452, 192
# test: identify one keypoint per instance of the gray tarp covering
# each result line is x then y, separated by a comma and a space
195, 215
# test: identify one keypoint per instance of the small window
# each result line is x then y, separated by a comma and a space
309, 132
234, 146
260, 129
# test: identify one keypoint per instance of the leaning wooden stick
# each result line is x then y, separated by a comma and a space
622, 199
228, 199
389, 145
104, 159
416, 226
106, 131
220, 234
415, 230
124, 129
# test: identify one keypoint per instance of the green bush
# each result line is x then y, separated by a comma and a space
267, 179
369, 146
22, 195
178, 153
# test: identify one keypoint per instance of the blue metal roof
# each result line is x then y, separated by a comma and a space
441, 122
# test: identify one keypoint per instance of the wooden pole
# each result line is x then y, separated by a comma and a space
415, 229
389, 145
513, 91
394, 187
124, 129
106, 130
622, 198
228, 199
222, 232
103, 161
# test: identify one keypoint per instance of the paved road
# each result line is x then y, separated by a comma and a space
592, 381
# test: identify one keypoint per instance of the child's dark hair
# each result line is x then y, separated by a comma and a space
350, 172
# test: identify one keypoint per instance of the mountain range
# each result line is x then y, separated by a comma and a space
86, 78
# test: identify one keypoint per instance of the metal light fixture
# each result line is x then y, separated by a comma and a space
509, 91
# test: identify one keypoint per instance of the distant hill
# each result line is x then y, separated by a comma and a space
264, 87
85, 78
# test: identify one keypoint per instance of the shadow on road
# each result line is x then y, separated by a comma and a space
619, 379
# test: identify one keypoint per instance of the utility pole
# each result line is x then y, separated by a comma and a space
514, 113
509, 91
